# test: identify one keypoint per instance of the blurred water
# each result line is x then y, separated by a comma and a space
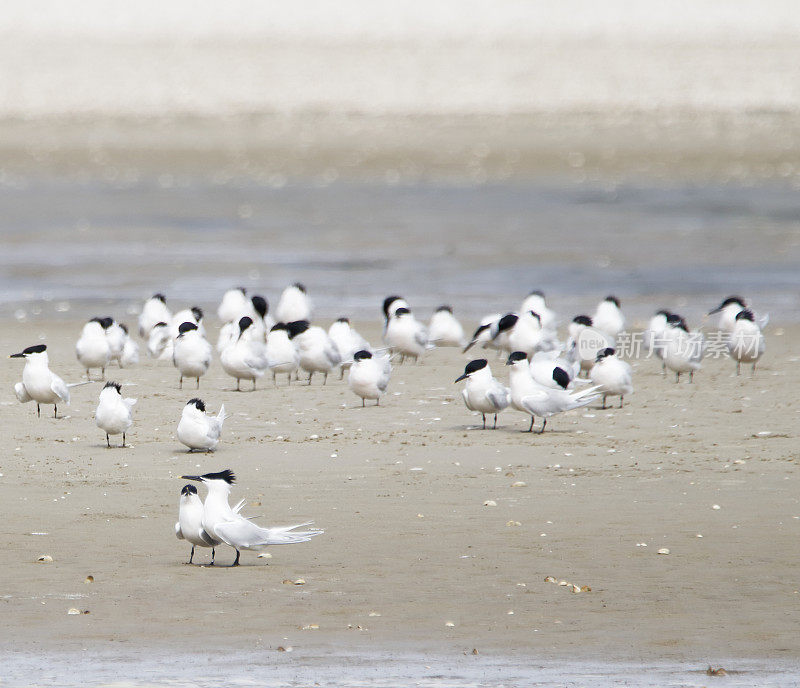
480, 248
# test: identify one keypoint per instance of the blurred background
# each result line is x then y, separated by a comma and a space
461, 152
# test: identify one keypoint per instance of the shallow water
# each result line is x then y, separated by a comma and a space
376, 670
79, 244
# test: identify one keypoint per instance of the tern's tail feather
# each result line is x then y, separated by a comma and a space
244, 534
70, 385
221, 416
287, 535
22, 393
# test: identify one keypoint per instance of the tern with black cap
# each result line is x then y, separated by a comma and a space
191, 353
39, 383
220, 522
483, 393
197, 430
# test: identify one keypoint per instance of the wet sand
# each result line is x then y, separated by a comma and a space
409, 545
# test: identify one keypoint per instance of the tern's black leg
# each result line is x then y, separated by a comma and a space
254, 384
310, 375
621, 399
108, 441
604, 402
236, 561
341, 372
290, 379
123, 439
677, 378
237, 385
544, 424
191, 556
103, 370
483, 415
530, 429
38, 410
198, 382
55, 411
213, 552
325, 379
738, 367
363, 403
494, 427
691, 377
754, 369
378, 402
180, 384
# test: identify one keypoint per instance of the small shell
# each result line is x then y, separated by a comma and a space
89, 579
72, 611
420, 515
663, 550
563, 583
288, 648
510, 612
310, 627
512, 524
264, 555
374, 614
519, 483
474, 651
490, 502
550, 579
716, 507
45, 559
299, 581
450, 624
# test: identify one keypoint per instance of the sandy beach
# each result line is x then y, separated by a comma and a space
706, 470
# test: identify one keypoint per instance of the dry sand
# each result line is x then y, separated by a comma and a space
409, 545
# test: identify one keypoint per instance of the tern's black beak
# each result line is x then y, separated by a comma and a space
716, 310
20, 355
198, 478
463, 377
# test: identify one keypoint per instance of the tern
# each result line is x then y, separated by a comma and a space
317, 352
130, 350
113, 414
612, 375
189, 526
246, 358
406, 335
159, 341
683, 350
728, 310
282, 356
543, 363
391, 304
221, 522
39, 383
193, 314
347, 341
154, 311
654, 336
92, 348
197, 430
369, 376
608, 317
234, 305
294, 304
483, 393
535, 302
746, 343
524, 332
191, 353
444, 329
483, 333
256, 309
530, 397
585, 341
116, 335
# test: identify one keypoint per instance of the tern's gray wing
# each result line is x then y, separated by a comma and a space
178, 531
60, 388
498, 396
22, 393
421, 336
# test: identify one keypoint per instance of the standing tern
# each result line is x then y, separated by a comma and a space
530, 397
154, 311
282, 356
113, 414
483, 393
406, 335
608, 317
369, 376
39, 383
189, 526
92, 348
746, 343
191, 353
347, 341
683, 350
197, 430
612, 375
483, 333
317, 352
246, 358
391, 304
221, 522
294, 304
728, 310
444, 329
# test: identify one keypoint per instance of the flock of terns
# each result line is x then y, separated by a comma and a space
547, 376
